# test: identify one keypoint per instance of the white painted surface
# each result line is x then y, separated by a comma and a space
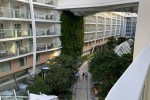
64, 4
131, 83
142, 37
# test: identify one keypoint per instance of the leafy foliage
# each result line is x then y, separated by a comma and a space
111, 43
121, 40
72, 34
106, 68
58, 79
39, 86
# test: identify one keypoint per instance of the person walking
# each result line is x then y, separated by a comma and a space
86, 75
78, 76
83, 74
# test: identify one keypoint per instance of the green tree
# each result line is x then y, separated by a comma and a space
121, 40
111, 43
39, 86
62, 74
60, 79
72, 31
106, 68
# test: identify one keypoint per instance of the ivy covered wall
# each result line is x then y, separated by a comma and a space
72, 30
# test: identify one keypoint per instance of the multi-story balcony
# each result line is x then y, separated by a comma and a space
8, 53
107, 33
45, 32
89, 38
41, 47
113, 32
90, 20
14, 33
44, 16
49, 2
100, 35
90, 28
14, 13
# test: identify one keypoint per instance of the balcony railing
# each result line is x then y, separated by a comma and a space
88, 38
46, 32
49, 2
14, 33
8, 53
132, 84
44, 16
41, 47
14, 13
13, 95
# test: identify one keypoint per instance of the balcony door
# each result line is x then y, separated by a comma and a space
2, 46
15, 12
1, 31
17, 30
19, 45
30, 29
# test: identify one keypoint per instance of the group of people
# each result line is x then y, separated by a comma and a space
84, 75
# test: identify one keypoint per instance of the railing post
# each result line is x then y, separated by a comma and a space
17, 50
16, 35
46, 46
15, 94
28, 92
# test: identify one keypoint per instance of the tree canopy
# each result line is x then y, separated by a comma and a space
59, 78
106, 68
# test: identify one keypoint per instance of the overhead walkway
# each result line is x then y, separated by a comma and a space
86, 7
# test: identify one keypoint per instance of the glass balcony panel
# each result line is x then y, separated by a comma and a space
14, 33
47, 32
7, 53
24, 50
45, 16
41, 47
14, 13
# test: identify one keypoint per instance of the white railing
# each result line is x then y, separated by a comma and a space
89, 38
14, 13
8, 53
45, 32
41, 47
130, 85
13, 95
14, 33
50, 2
44, 16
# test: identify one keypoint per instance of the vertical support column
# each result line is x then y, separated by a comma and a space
120, 31
95, 34
142, 37
104, 27
111, 18
116, 25
131, 28
34, 36
125, 24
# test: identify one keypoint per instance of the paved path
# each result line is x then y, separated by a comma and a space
82, 87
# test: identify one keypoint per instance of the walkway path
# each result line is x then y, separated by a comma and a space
82, 87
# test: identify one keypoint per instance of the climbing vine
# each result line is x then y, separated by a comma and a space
72, 31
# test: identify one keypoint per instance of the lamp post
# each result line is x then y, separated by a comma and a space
44, 68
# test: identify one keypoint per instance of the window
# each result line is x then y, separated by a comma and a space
23, 61
5, 66
37, 57
2, 46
